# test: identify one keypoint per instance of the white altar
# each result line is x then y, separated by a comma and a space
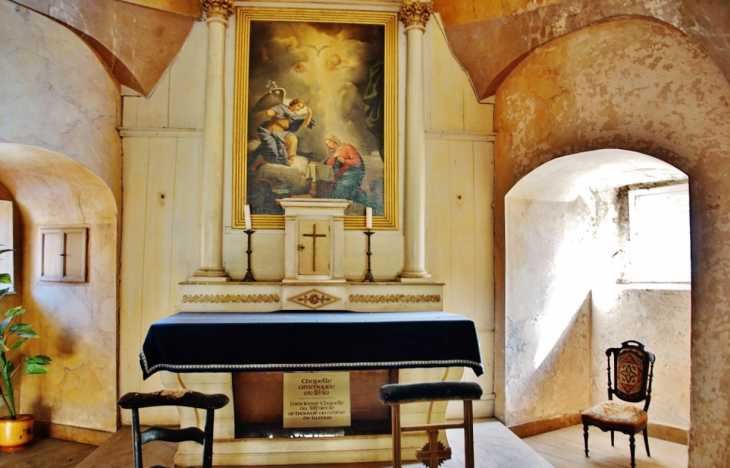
314, 280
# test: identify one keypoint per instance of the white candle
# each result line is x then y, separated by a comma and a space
247, 215
369, 217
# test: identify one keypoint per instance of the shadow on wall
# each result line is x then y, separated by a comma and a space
76, 321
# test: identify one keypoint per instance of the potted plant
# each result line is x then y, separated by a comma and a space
16, 430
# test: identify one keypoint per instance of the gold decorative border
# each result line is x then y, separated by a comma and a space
244, 17
230, 298
314, 299
391, 298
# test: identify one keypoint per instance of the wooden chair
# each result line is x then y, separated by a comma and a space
433, 452
134, 401
633, 370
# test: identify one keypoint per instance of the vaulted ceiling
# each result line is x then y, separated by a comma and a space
490, 37
139, 39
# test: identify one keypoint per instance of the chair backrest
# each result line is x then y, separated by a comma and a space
191, 399
633, 371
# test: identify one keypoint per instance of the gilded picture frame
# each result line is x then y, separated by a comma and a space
315, 113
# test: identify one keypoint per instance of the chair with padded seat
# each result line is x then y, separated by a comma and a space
431, 455
633, 371
188, 398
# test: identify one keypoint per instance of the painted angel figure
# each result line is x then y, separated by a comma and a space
277, 135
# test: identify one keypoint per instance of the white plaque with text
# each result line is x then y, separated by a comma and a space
316, 399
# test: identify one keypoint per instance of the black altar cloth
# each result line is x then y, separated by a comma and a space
309, 341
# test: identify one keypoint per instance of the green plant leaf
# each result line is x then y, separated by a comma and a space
35, 369
3, 348
40, 359
29, 333
17, 344
19, 326
5, 278
12, 312
4, 325
18, 311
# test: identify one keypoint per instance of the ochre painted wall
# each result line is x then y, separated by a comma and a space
60, 158
641, 85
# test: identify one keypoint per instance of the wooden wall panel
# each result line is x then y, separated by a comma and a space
461, 194
136, 152
437, 211
185, 244
187, 81
447, 82
483, 227
153, 112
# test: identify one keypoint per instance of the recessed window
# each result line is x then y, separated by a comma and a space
64, 254
659, 235
7, 261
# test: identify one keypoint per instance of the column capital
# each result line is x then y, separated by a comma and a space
219, 9
415, 13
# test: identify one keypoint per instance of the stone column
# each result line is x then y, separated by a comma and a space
415, 15
211, 215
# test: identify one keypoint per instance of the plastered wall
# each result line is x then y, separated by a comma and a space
659, 317
162, 141
635, 84
60, 159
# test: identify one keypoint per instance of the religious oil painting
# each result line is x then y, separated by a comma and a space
315, 113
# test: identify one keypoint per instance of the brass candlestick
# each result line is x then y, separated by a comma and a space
369, 274
249, 274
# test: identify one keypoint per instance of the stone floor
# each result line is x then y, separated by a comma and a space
495, 447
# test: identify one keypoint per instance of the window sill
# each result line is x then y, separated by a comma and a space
661, 286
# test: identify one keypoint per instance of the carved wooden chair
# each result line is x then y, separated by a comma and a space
134, 401
433, 453
633, 370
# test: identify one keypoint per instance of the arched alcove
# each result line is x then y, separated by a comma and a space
76, 322
639, 85
565, 255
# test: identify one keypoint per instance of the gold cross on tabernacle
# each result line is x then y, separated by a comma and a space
314, 237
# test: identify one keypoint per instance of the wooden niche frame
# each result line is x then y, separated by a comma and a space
343, 65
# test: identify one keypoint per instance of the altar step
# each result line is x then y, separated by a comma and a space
495, 447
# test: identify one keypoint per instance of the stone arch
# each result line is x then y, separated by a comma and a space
567, 230
640, 85
76, 321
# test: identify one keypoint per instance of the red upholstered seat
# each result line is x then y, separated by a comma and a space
616, 414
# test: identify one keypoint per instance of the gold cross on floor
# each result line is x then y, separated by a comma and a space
314, 237
433, 453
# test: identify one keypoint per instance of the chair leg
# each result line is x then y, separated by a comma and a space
208, 442
611, 438
585, 437
646, 442
136, 439
395, 430
468, 434
632, 447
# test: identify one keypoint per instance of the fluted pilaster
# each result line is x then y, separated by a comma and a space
211, 238
415, 15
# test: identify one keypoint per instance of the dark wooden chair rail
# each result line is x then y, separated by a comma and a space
134, 401
630, 373
398, 394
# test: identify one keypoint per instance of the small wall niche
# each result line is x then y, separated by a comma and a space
63, 257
